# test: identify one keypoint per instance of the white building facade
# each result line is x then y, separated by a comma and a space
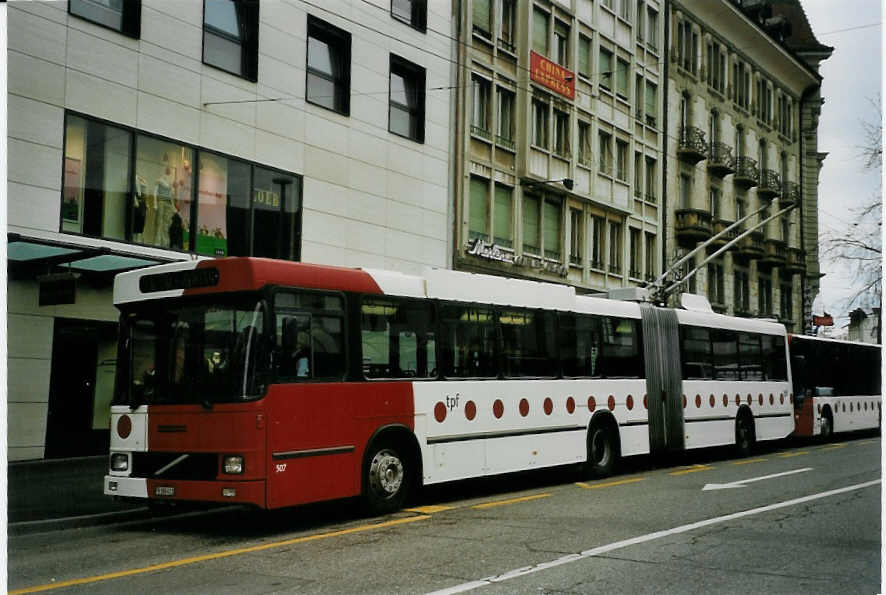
148, 131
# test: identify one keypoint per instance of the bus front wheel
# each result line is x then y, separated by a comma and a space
602, 450
827, 425
744, 434
386, 479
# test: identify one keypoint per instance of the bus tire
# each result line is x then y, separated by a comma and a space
387, 477
745, 434
827, 425
603, 451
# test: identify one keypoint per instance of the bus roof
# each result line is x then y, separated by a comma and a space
793, 337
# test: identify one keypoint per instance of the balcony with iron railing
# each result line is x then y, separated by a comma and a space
481, 132
790, 194
720, 160
506, 143
770, 184
746, 173
692, 147
750, 246
692, 226
720, 225
774, 254
794, 261
615, 269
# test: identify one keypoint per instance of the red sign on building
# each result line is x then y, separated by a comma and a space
551, 75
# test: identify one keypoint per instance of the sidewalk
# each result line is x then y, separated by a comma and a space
61, 492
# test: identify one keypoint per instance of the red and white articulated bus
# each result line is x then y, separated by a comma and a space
837, 385
279, 383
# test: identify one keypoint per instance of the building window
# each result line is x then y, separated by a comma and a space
120, 15
651, 103
507, 36
621, 78
328, 66
739, 141
605, 141
740, 211
636, 254
786, 228
716, 293
598, 242
561, 133
652, 29
742, 293
638, 175
505, 130
168, 203
480, 97
651, 194
576, 237
503, 213
614, 247
478, 221
411, 12
621, 160
230, 36
764, 296
605, 68
606, 3
787, 302
406, 115
714, 127
540, 31
561, 43
685, 192
584, 56
584, 143
687, 47
482, 18
539, 123
531, 229
641, 10
715, 203
624, 9
552, 227
716, 67
650, 257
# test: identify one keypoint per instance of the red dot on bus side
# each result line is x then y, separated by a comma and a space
524, 407
865, 404
570, 405
738, 399
549, 406
124, 426
760, 398
629, 402
610, 402
646, 402
850, 407
713, 400
440, 412
684, 401
725, 400
771, 399
498, 408
592, 403
470, 410
781, 399
750, 399
697, 401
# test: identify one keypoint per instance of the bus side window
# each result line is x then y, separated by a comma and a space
397, 338
695, 349
310, 335
621, 349
773, 358
580, 345
750, 363
468, 341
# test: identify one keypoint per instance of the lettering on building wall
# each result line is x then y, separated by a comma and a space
551, 75
482, 249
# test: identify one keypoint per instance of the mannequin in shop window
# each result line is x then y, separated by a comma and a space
164, 195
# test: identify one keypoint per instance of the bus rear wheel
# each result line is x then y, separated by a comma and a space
827, 425
602, 451
744, 435
386, 479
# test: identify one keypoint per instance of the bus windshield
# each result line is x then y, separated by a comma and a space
193, 352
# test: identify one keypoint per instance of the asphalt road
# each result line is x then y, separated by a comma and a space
802, 519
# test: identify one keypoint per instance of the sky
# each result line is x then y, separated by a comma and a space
852, 79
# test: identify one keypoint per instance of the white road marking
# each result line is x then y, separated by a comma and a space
741, 484
526, 570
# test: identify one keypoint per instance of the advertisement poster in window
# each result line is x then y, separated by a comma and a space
72, 205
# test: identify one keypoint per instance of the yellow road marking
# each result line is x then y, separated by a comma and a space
786, 455
869, 441
748, 461
216, 556
833, 446
429, 509
692, 469
510, 501
608, 484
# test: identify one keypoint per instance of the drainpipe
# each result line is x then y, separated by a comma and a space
808, 92
664, 136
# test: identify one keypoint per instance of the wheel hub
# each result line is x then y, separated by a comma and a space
386, 473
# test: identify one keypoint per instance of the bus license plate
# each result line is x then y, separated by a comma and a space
164, 491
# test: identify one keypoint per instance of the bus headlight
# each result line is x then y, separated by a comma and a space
233, 464
119, 461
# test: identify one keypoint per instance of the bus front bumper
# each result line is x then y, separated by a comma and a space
240, 492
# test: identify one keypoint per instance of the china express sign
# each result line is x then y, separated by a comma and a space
551, 75
267, 199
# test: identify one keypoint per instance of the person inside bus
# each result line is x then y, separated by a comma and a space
302, 357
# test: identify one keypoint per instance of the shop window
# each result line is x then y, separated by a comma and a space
276, 215
163, 182
97, 178
328, 66
223, 189
120, 15
230, 36
411, 12
406, 116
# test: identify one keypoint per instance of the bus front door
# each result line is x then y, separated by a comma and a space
664, 385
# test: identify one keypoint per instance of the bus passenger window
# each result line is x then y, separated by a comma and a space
774, 367
725, 349
397, 338
310, 336
527, 338
580, 345
750, 362
621, 349
696, 352
468, 341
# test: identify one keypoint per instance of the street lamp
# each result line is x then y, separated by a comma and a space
567, 182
